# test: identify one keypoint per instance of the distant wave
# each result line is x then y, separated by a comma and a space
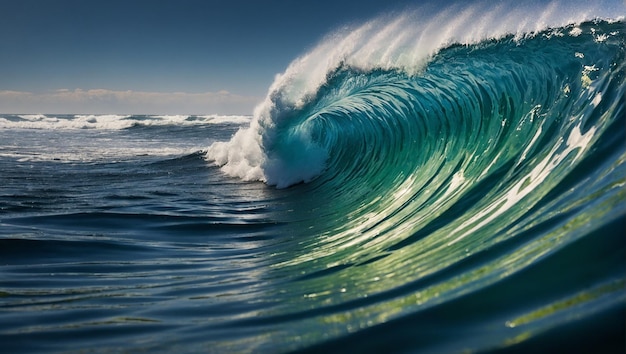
75, 138
110, 121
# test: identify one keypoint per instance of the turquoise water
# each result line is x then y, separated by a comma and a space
473, 201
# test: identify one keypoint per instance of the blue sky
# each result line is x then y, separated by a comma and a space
160, 56
209, 48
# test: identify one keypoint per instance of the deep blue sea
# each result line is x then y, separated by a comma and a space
393, 193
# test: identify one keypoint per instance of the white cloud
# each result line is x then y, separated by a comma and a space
126, 102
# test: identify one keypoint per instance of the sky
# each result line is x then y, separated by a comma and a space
161, 56
154, 56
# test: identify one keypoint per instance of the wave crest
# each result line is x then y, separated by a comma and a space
281, 146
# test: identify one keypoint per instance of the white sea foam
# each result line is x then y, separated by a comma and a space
220, 119
32, 117
89, 145
112, 122
242, 155
406, 42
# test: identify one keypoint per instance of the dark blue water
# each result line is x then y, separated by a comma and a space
111, 251
477, 204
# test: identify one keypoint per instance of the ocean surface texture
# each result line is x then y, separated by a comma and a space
406, 186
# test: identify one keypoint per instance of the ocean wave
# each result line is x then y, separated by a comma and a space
441, 161
405, 45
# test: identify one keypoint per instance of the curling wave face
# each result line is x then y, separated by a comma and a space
278, 148
442, 164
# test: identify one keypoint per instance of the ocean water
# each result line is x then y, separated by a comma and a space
404, 187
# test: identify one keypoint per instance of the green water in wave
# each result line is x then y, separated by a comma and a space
498, 160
